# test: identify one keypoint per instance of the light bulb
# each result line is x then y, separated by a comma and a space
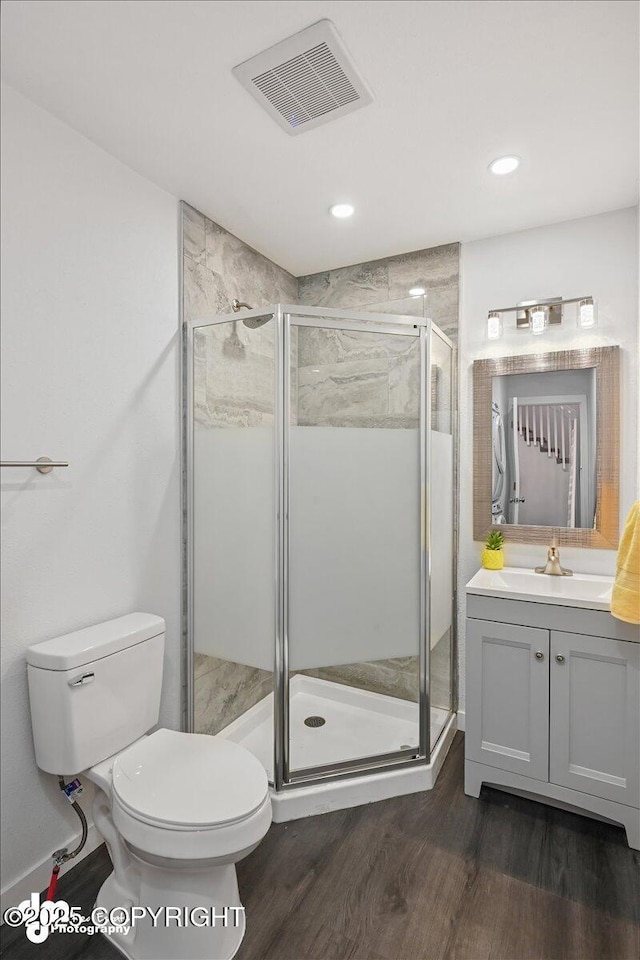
417, 292
494, 326
587, 313
537, 320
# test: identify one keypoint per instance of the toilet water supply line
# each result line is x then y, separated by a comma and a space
71, 791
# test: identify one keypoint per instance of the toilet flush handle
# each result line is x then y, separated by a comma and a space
82, 679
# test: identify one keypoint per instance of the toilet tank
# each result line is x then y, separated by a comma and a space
95, 691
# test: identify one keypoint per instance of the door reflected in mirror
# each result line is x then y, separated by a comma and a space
544, 448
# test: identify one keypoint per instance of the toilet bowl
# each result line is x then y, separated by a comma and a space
176, 810
180, 809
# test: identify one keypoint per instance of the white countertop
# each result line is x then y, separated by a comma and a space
521, 583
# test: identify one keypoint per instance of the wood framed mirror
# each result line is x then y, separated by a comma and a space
546, 447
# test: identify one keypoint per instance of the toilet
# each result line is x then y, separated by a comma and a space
176, 810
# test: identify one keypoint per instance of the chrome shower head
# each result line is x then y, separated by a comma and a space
254, 322
251, 322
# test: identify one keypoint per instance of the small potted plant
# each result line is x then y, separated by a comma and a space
493, 554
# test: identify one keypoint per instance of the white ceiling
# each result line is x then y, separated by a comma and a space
455, 85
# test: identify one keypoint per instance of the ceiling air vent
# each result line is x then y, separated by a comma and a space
305, 80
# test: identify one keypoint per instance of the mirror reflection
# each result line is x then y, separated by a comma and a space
544, 448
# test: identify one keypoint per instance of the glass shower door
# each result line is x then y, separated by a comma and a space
231, 388
354, 463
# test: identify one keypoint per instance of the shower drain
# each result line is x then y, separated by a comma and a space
315, 721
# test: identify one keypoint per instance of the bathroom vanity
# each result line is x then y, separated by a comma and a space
553, 694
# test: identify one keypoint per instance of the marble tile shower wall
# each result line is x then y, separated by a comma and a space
233, 365
353, 379
366, 379
363, 285
219, 267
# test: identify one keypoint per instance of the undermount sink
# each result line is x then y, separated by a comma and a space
520, 583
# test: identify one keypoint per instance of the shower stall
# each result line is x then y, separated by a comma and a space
319, 490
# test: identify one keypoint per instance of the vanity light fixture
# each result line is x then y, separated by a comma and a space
341, 210
417, 292
494, 326
537, 315
504, 165
587, 313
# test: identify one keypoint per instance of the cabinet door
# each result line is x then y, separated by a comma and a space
507, 697
595, 716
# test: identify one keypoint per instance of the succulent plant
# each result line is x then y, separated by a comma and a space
494, 540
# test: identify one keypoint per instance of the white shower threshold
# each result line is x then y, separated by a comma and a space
358, 723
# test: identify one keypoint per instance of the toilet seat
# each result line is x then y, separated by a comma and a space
189, 779
187, 795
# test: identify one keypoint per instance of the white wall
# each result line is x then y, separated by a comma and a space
595, 256
90, 375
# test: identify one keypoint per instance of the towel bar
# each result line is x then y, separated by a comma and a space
42, 464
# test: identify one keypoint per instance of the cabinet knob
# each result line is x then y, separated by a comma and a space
560, 658
539, 655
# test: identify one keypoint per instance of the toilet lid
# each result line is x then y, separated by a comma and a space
189, 779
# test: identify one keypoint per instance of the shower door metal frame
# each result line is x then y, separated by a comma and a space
391, 325
327, 318
453, 645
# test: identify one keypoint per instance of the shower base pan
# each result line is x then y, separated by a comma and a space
356, 723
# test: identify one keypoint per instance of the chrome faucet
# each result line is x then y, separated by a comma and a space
553, 567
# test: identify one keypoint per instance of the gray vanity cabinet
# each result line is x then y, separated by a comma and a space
509, 698
594, 745
552, 713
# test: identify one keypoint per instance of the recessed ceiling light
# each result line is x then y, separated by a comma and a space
417, 292
341, 210
504, 165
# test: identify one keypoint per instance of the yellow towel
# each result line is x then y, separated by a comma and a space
625, 597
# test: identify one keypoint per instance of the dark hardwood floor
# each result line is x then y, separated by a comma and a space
433, 876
